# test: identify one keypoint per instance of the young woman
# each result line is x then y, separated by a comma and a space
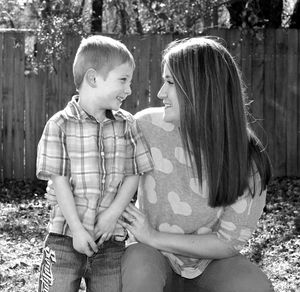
202, 201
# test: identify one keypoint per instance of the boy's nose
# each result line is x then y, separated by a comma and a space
128, 91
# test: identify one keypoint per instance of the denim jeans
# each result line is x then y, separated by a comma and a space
63, 267
145, 269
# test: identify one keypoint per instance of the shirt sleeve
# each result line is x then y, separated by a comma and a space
239, 220
138, 156
52, 157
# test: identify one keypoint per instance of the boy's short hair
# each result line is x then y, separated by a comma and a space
100, 53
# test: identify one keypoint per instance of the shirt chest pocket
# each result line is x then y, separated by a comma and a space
115, 154
83, 153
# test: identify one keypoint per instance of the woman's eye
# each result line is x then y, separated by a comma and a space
123, 79
170, 82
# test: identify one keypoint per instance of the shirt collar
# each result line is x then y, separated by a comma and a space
74, 110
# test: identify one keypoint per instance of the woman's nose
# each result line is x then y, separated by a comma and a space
161, 93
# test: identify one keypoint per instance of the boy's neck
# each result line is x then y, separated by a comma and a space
98, 114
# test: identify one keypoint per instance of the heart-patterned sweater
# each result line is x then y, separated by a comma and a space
174, 201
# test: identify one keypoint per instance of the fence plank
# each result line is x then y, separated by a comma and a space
143, 75
291, 99
297, 57
234, 45
35, 118
1, 109
8, 89
269, 92
155, 64
257, 87
246, 63
158, 45
30, 122
18, 105
131, 103
280, 101
35, 114
68, 81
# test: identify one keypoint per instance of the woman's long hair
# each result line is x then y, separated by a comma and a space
213, 119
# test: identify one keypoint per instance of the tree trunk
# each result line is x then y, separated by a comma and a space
271, 11
86, 15
295, 23
46, 11
97, 10
235, 9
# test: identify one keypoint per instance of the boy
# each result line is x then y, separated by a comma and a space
94, 157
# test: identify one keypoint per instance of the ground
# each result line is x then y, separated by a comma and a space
275, 245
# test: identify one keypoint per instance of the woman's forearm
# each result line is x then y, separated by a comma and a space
207, 246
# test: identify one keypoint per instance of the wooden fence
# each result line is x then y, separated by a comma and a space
270, 66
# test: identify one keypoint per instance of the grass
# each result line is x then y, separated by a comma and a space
275, 245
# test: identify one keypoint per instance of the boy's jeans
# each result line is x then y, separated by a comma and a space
63, 267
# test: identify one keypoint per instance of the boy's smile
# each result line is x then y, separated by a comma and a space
114, 89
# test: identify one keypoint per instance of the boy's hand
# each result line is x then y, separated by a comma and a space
105, 226
84, 243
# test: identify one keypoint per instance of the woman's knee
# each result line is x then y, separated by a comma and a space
143, 267
236, 274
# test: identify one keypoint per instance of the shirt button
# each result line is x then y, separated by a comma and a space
102, 153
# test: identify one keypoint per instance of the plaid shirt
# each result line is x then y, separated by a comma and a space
96, 156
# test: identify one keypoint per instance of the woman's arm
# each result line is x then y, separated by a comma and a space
207, 246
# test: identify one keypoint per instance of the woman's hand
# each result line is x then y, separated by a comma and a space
50, 194
138, 224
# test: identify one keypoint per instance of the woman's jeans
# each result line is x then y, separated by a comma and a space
145, 269
64, 267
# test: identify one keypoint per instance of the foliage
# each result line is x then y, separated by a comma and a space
151, 16
10, 11
255, 13
251, 16
192, 16
58, 18
274, 246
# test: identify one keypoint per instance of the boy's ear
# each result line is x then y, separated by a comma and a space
90, 77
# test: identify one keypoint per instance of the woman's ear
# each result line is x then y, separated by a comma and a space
91, 77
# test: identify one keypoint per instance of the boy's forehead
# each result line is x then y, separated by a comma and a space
123, 69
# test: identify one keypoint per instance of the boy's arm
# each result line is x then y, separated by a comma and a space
124, 195
109, 217
82, 240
